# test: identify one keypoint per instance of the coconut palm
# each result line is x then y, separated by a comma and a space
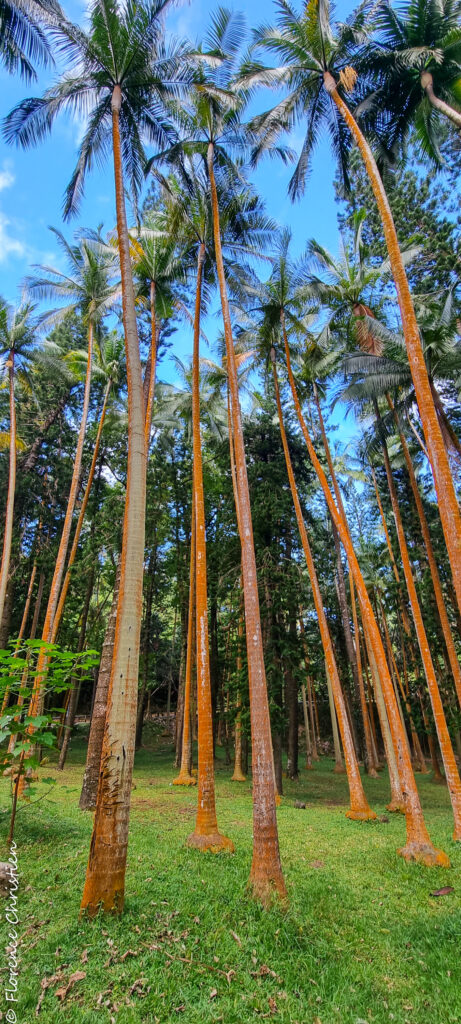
23, 36
318, 75
121, 80
414, 59
87, 289
212, 130
17, 340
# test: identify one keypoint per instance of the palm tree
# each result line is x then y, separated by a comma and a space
23, 36
359, 809
107, 367
418, 845
87, 289
212, 129
317, 72
121, 81
17, 338
414, 63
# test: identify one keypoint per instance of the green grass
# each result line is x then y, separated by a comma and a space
363, 940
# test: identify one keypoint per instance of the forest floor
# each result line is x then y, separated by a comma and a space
364, 940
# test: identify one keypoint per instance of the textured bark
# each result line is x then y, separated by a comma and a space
239, 775
449, 763
447, 500
206, 835
419, 846
105, 879
9, 512
266, 871
359, 808
370, 762
93, 754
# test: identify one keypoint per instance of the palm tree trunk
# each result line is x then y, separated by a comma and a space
446, 629
359, 809
449, 763
105, 879
370, 761
419, 846
427, 84
25, 674
75, 684
266, 870
21, 628
447, 501
185, 777
149, 398
206, 835
78, 528
238, 775
36, 700
307, 732
339, 766
8, 532
89, 791
314, 751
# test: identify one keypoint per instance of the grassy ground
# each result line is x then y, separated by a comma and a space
363, 940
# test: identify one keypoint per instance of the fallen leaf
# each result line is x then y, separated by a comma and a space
213, 993
44, 984
129, 952
445, 891
84, 956
272, 1005
63, 992
236, 937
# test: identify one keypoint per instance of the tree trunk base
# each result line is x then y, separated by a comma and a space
184, 779
420, 767
439, 779
268, 890
365, 815
214, 842
339, 769
457, 834
395, 807
424, 853
238, 776
108, 904
372, 773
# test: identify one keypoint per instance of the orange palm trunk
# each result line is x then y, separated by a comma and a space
105, 878
185, 778
206, 835
238, 775
446, 629
8, 534
266, 870
447, 501
359, 809
366, 725
449, 763
78, 528
419, 846
7, 537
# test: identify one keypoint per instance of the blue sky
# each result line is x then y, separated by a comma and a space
32, 183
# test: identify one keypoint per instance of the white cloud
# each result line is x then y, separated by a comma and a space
9, 246
6, 175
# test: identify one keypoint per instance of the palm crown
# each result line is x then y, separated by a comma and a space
309, 50
124, 46
416, 48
